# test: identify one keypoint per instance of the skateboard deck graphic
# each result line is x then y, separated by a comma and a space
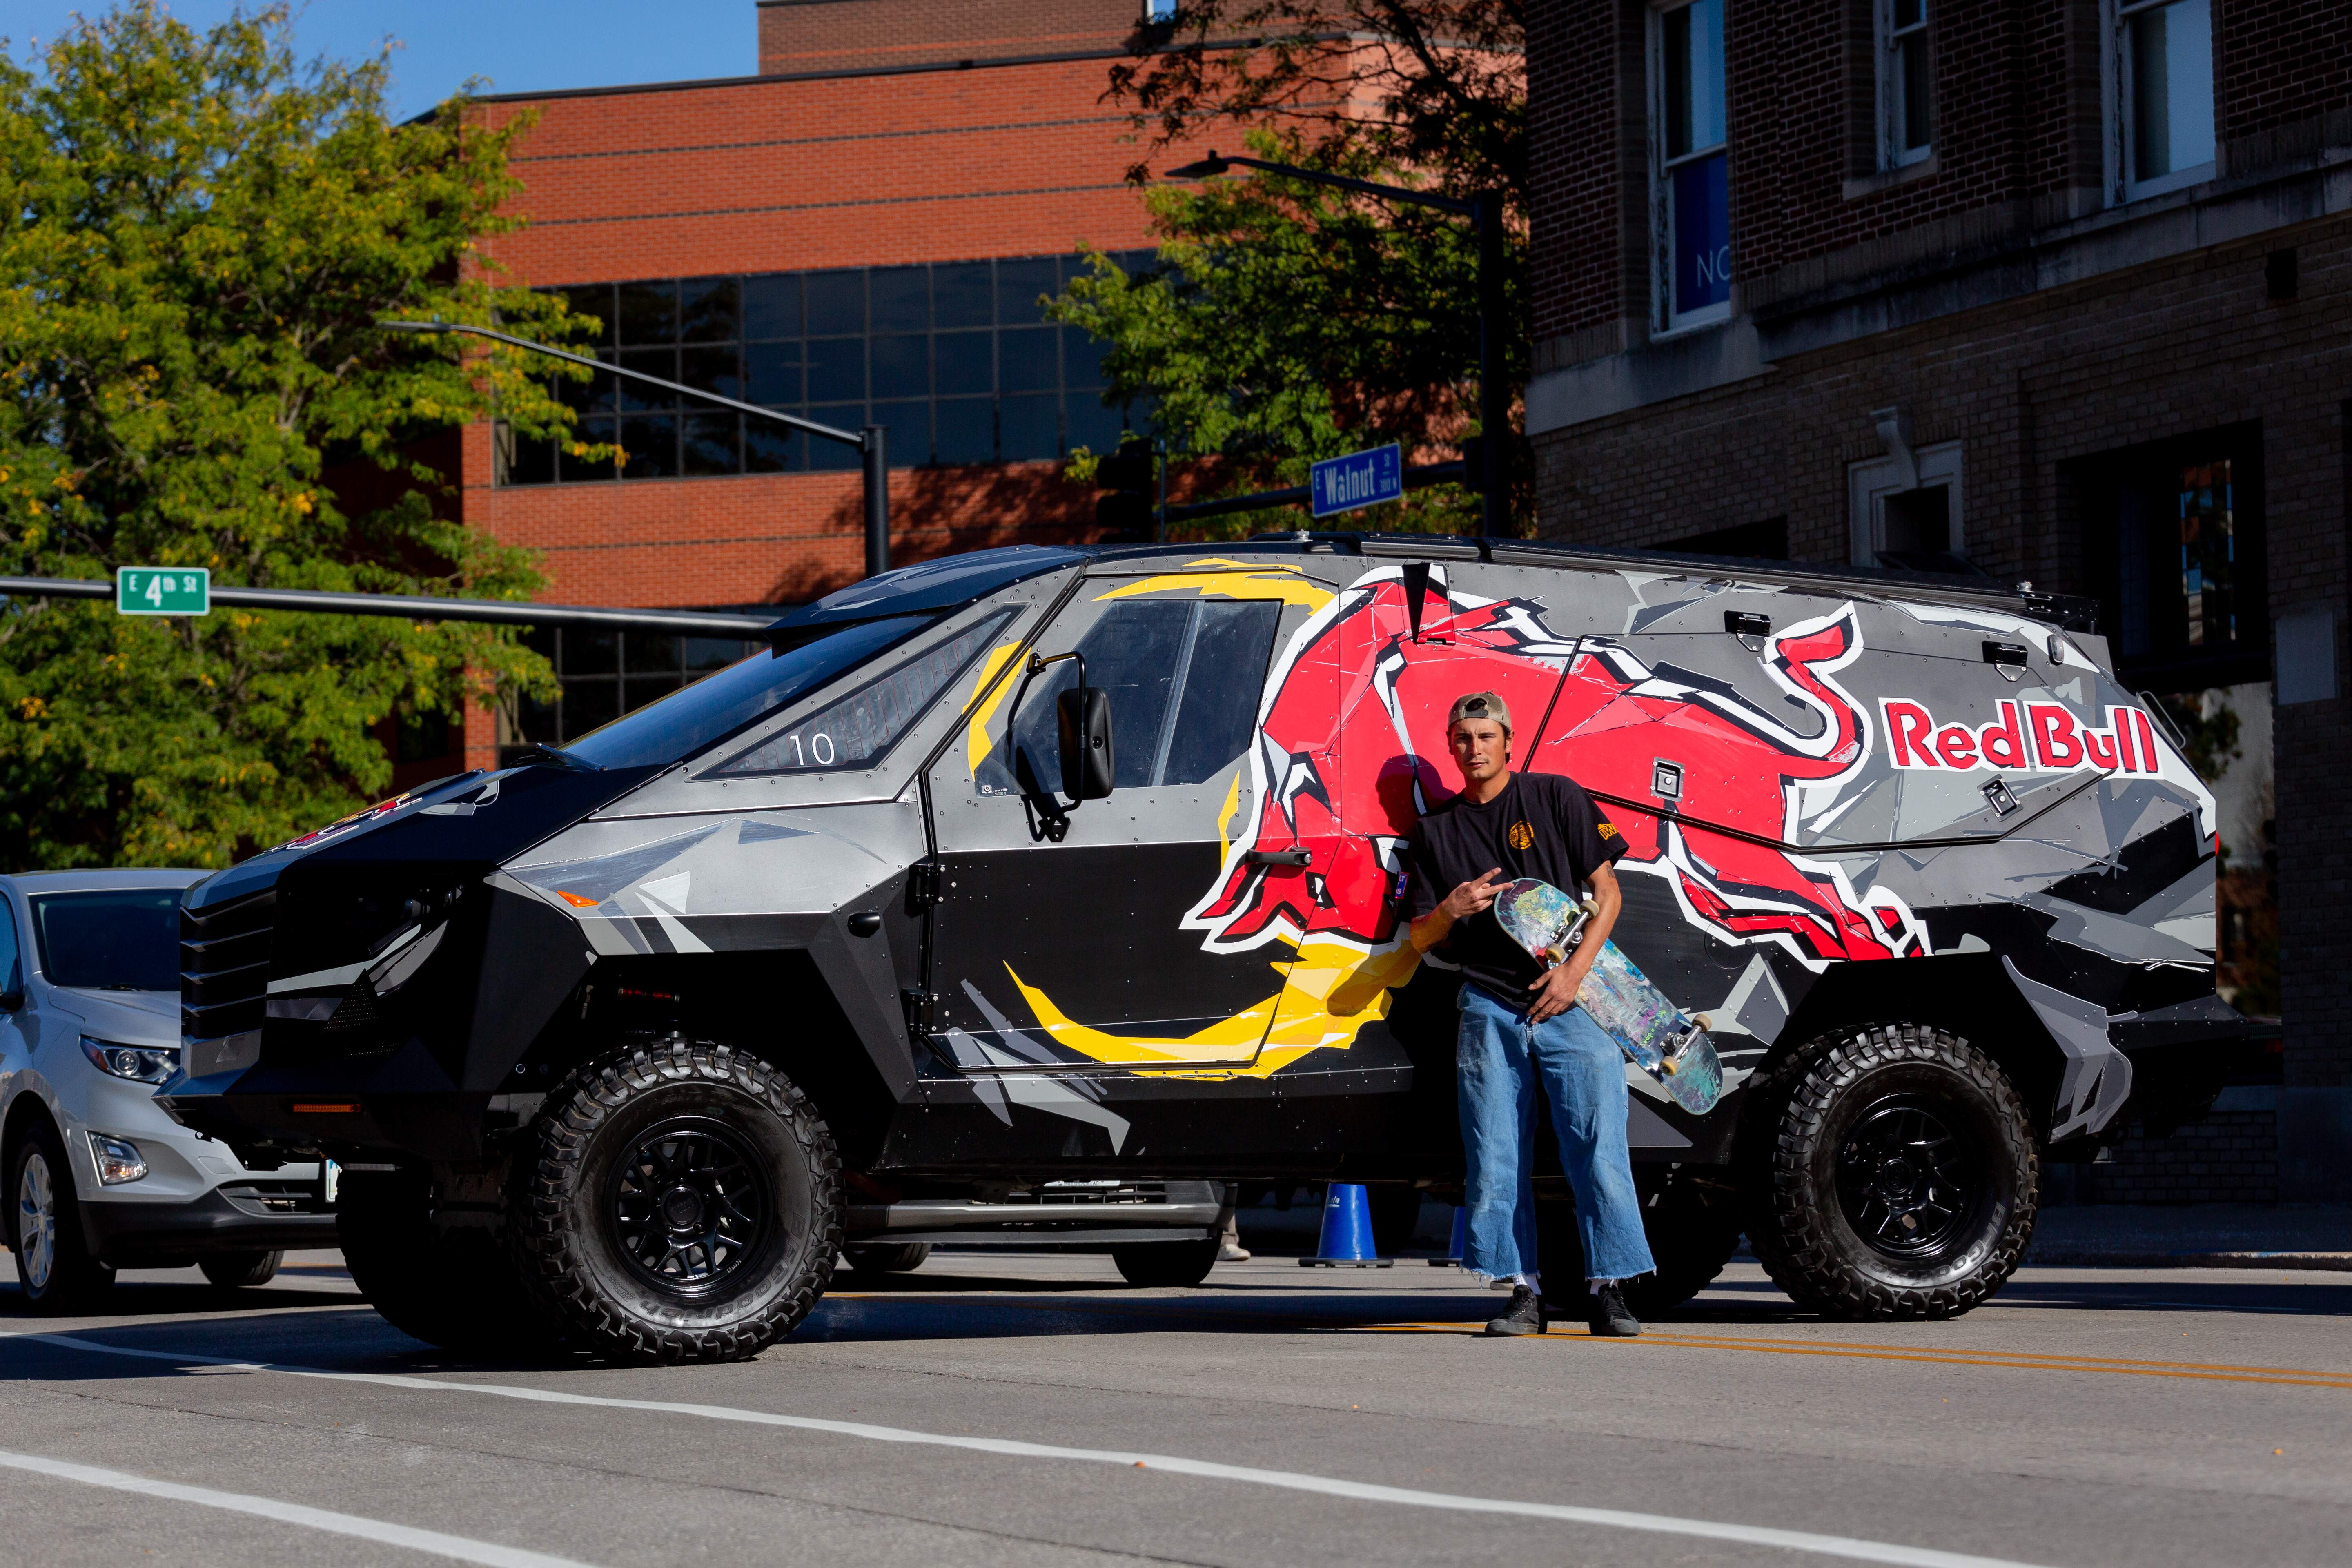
1657, 1037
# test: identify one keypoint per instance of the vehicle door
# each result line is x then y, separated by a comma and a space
15, 1041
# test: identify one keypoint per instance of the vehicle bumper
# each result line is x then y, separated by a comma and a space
2180, 1058
157, 1235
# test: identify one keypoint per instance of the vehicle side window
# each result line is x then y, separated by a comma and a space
12, 955
1184, 678
858, 731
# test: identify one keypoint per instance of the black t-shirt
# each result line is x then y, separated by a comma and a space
1541, 825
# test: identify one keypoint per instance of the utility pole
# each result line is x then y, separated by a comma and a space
870, 442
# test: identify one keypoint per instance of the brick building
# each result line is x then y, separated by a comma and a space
2055, 291
861, 231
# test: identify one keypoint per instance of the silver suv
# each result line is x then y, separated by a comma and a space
97, 1177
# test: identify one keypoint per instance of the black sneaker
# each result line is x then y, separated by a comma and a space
1524, 1315
1609, 1317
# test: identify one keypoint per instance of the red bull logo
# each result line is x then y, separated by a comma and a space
2029, 737
1353, 722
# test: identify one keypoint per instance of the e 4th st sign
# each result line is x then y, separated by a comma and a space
162, 591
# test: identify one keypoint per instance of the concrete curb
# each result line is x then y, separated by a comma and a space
2096, 1257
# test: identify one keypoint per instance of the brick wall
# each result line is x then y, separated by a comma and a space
853, 35
2231, 1157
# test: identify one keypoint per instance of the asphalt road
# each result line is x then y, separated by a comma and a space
1036, 1410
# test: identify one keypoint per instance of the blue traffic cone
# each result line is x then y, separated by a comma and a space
1453, 1248
1347, 1238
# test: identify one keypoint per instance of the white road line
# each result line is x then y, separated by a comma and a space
456, 1546
1291, 1480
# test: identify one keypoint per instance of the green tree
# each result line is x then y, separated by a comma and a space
1286, 320
197, 238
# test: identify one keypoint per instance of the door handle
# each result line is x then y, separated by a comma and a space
1277, 857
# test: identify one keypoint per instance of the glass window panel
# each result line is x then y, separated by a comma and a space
636, 395
837, 301
711, 370
710, 443
960, 295
588, 704
772, 373
1029, 428
1693, 47
909, 424
593, 300
770, 448
966, 362
771, 305
649, 446
586, 652
2208, 557
1909, 13
859, 730
528, 462
542, 722
710, 310
1090, 425
2172, 88
901, 365
599, 394
704, 654
1131, 653
1030, 359
640, 689
1022, 288
900, 299
1231, 645
649, 652
649, 312
823, 454
594, 431
1082, 357
1913, 127
1701, 227
836, 370
965, 430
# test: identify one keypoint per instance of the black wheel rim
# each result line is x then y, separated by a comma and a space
690, 1206
1910, 1186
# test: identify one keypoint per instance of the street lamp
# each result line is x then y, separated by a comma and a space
869, 440
1485, 212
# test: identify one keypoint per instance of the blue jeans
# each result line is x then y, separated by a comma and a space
1497, 1060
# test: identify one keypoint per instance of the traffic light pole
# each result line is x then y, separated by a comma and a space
870, 442
1486, 215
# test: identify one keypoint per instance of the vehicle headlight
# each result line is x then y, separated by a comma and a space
139, 1064
118, 1161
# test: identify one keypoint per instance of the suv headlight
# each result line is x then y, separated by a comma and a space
139, 1064
118, 1161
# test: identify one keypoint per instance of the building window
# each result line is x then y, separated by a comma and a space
955, 359
1691, 205
1910, 518
1906, 82
605, 674
2160, 68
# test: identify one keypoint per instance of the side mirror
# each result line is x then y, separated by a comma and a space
1083, 713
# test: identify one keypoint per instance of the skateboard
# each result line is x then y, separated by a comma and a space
1657, 1037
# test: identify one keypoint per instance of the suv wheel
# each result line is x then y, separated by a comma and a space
241, 1271
1166, 1263
1892, 1172
680, 1202
886, 1256
45, 1229
450, 1286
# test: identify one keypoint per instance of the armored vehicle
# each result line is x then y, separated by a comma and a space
1039, 863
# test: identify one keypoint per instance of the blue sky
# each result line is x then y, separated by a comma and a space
522, 45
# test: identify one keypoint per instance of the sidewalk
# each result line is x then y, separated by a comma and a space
2193, 1236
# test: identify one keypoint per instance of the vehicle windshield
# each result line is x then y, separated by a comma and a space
109, 938
715, 706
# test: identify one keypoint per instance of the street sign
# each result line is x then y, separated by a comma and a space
162, 591
1359, 478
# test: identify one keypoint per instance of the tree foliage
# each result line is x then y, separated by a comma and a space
197, 238
1287, 320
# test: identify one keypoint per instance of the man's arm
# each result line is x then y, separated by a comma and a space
1458, 905
1556, 990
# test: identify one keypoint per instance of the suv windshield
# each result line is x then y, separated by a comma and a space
717, 705
109, 938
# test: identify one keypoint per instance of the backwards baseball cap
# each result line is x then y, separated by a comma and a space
1479, 705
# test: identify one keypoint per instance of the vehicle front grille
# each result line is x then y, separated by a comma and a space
224, 966
275, 1196
1090, 1195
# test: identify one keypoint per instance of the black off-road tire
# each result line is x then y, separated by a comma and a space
452, 1287
241, 1271
69, 1278
1865, 1126
886, 1256
586, 1216
1155, 1264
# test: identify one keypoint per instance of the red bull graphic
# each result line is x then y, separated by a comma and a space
1353, 723
2043, 737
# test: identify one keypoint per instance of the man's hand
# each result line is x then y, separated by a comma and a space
1555, 992
1473, 896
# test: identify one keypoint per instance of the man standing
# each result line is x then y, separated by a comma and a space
1521, 1024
